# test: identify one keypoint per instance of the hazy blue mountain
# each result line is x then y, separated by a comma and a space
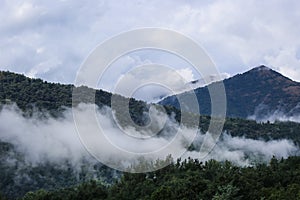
260, 91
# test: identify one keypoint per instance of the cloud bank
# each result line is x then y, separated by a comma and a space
244, 152
56, 140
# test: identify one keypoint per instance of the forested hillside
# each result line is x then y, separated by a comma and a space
182, 180
30, 94
37, 95
191, 179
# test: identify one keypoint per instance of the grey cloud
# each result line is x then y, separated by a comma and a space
237, 35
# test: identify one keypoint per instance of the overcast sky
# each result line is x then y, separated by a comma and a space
51, 39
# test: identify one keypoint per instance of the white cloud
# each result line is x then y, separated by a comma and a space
286, 62
55, 140
186, 73
50, 39
239, 35
151, 82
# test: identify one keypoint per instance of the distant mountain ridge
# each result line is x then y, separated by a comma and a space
259, 91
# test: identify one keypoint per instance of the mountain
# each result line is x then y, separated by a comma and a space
17, 177
31, 95
42, 95
260, 91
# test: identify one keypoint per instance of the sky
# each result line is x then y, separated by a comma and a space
51, 39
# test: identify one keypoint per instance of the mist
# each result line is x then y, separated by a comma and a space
41, 140
243, 151
56, 140
263, 114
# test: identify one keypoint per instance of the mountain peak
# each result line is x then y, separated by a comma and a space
247, 93
263, 72
262, 68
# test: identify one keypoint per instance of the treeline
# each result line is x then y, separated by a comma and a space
192, 179
28, 93
32, 95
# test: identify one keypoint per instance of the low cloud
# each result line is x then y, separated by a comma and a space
244, 151
264, 114
54, 140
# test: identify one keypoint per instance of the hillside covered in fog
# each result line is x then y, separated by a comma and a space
40, 148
